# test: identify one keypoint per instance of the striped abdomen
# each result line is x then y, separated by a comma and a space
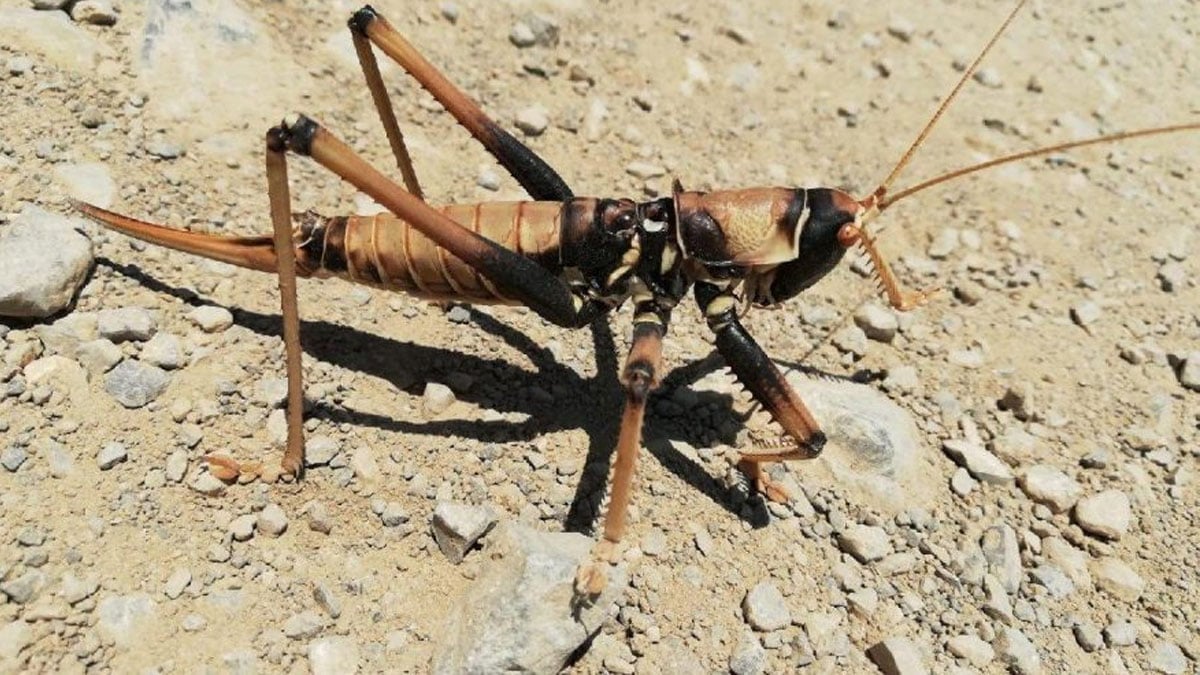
387, 252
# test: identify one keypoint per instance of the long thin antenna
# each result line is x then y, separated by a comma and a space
912, 149
888, 201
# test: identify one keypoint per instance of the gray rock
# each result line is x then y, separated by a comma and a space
521, 613
999, 545
1088, 637
1054, 580
177, 466
211, 319
1047, 485
997, 604
325, 597
456, 527
89, 182
95, 12
873, 450
177, 583
897, 656
1189, 371
305, 625
56, 455
318, 518
1120, 633
749, 657
1106, 514
126, 323
366, 469
76, 590
393, 515
98, 356
765, 608
271, 392
13, 457
272, 520
43, 260
24, 588
164, 148
1118, 579
123, 618
970, 647
165, 351
1086, 312
437, 398
134, 384
1016, 650
1067, 557
981, 464
15, 636
1167, 657
208, 485
532, 120
111, 455
333, 655
961, 482
866, 543
242, 527
52, 35
879, 323
320, 450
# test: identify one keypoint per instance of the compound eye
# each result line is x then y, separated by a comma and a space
849, 235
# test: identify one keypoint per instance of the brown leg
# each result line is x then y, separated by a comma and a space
519, 277
370, 68
537, 177
768, 386
281, 219
642, 374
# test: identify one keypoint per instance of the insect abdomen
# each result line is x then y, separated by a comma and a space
385, 251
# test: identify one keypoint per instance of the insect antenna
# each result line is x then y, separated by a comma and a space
1016, 157
937, 115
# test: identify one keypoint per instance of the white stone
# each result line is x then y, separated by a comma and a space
898, 656
866, 543
982, 464
977, 652
1118, 579
1047, 485
765, 609
1106, 514
333, 656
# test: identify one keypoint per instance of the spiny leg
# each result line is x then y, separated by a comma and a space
641, 375
281, 220
517, 277
755, 370
537, 178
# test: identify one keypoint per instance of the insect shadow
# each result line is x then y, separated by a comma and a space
594, 408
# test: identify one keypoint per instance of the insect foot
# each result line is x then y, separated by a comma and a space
592, 576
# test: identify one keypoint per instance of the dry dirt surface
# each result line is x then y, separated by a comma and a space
1054, 367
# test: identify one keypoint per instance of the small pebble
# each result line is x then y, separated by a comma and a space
897, 656
877, 322
110, 455
1086, 312
1105, 515
1118, 579
1120, 633
1088, 636
134, 384
437, 398
1189, 371
1047, 485
748, 657
532, 120
989, 77
95, 12
970, 647
456, 527
318, 518
303, 625
242, 527
272, 520
335, 655
1167, 657
177, 583
1015, 649
126, 323
210, 318
765, 609
866, 543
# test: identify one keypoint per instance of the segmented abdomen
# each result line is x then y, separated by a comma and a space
387, 252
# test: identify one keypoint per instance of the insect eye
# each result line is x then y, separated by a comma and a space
849, 235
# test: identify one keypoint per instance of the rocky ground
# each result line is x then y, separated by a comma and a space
1032, 505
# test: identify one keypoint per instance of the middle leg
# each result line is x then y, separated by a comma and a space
641, 375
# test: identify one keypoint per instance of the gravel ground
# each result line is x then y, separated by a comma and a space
1050, 524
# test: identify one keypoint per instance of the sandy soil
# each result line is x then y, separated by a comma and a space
718, 94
